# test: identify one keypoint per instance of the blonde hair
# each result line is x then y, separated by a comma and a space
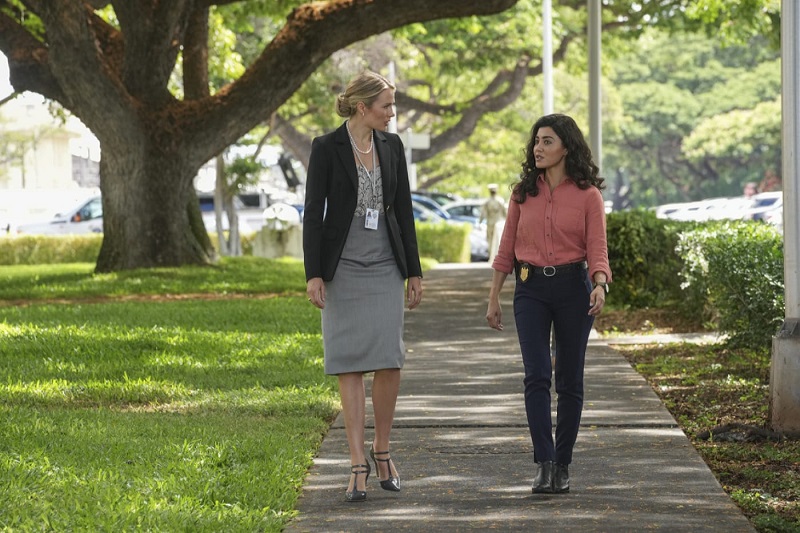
366, 87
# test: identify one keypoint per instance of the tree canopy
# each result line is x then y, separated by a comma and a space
474, 84
110, 63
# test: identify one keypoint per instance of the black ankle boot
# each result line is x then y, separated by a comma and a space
543, 483
561, 479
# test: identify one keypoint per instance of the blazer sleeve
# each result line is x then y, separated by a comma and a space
405, 214
317, 177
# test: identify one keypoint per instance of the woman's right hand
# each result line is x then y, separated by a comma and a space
494, 314
315, 289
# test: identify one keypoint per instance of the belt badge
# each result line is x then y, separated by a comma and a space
523, 273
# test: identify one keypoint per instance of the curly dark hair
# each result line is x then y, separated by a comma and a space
578, 163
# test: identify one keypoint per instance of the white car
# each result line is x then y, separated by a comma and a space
85, 217
465, 210
766, 206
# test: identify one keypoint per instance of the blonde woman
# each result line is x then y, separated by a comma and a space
361, 258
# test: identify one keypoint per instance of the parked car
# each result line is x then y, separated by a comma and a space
465, 210
440, 198
430, 204
730, 208
251, 219
85, 217
765, 205
423, 214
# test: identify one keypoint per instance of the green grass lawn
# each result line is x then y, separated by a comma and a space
121, 410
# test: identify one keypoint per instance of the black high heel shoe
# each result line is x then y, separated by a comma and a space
393, 483
358, 495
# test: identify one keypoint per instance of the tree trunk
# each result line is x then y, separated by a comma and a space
146, 222
219, 196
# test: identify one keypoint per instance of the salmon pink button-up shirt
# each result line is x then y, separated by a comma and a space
554, 228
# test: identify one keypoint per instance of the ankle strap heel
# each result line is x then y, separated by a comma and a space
393, 483
358, 495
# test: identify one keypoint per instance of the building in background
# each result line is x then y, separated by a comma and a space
42, 151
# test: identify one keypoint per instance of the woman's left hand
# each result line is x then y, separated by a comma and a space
597, 300
414, 291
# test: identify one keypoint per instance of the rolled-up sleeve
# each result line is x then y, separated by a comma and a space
596, 239
504, 260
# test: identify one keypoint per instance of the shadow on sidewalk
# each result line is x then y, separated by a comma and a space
462, 447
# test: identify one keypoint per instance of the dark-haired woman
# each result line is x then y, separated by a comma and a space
555, 240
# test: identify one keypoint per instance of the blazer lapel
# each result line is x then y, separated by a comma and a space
387, 167
345, 151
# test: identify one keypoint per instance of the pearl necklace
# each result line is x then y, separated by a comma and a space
353, 141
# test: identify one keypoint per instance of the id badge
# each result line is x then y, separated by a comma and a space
371, 220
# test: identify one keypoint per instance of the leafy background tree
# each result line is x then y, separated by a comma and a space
474, 85
700, 119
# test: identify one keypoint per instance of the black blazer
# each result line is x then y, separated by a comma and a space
332, 181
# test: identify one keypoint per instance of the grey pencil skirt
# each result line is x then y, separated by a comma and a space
362, 323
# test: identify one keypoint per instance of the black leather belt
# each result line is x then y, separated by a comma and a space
525, 270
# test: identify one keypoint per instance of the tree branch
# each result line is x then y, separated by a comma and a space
27, 60
485, 103
296, 142
313, 32
195, 56
154, 33
89, 85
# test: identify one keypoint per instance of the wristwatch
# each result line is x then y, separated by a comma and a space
601, 284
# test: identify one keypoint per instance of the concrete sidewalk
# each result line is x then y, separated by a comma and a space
462, 447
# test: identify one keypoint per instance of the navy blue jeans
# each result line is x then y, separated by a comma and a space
560, 301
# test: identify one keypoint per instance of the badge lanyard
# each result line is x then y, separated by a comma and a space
371, 221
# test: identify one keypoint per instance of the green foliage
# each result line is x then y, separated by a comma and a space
245, 238
749, 138
39, 249
51, 249
644, 264
725, 273
241, 172
737, 22
684, 97
17, 11
170, 415
443, 242
738, 266
769, 522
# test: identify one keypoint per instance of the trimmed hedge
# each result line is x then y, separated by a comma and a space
444, 242
45, 249
736, 267
728, 274
645, 265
